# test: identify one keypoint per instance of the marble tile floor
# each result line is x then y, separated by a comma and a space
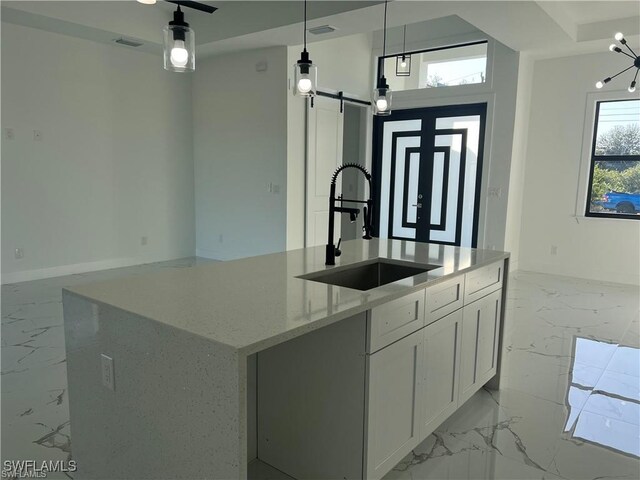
568, 406
35, 410
569, 400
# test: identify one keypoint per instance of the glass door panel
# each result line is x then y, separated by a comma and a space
427, 171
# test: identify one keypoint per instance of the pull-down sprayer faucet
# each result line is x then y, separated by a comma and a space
332, 250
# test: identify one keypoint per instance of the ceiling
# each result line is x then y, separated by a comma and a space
543, 28
596, 11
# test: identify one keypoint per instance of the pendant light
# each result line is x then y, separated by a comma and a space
619, 37
403, 62
305, 73
179, 45
382, 92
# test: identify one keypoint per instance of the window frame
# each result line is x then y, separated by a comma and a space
593, 158
382, 58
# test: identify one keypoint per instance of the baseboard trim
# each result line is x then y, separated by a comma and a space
62, 270
205, 253
599, 276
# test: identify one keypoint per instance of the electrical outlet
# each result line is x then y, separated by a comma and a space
9, 134
19, 253
144, 240
37, 135
554, 249
108, 379
275, 188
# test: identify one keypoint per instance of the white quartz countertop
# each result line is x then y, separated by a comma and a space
254, 303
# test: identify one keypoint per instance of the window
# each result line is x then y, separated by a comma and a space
614, 176
442, 67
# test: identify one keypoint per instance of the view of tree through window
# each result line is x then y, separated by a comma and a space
614, 185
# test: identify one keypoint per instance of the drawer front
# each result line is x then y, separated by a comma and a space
483, 281
444, 298
395, 320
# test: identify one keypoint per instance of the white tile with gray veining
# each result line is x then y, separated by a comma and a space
569, 406
35, 410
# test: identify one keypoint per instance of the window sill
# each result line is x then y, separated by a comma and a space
584, 219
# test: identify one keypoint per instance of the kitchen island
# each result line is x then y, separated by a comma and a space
193, 373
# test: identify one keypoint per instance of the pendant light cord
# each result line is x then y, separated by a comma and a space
384, 38
384, 34
404, 41
305, 25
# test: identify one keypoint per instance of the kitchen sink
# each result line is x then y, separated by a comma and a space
369, 274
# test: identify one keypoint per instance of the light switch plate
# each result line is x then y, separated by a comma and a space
108, 379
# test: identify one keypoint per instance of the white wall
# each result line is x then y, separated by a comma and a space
603, 249
240, 147
518, 159
114, 163
344, 64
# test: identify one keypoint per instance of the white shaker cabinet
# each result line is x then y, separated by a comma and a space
351, 400
440, 371
479, 350
393, 427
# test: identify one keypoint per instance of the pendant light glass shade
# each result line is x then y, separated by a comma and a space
305, 75
403, 62
382, 97
179, 45
403, 65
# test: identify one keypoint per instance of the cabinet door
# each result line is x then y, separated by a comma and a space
479, 349
393, 425
441, 364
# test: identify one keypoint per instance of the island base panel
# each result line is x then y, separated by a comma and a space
175, 411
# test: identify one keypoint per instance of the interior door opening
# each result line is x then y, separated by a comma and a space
333, 139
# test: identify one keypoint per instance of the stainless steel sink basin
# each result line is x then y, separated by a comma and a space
369, 274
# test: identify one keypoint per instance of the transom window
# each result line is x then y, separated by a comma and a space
614, 178
436, 68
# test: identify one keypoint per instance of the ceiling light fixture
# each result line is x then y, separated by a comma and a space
403, 62
147, 2
305, 73
179, 45
382, 92
636, 62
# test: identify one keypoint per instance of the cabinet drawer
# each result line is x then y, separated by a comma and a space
483, 281
444, 298
394, 320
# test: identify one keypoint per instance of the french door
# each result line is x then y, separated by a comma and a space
427, 169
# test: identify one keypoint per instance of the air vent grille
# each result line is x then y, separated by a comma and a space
323, 29
128, 42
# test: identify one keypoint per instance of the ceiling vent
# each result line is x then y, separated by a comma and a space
128, 42
321, 30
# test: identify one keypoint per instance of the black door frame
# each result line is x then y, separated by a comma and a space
427, 149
